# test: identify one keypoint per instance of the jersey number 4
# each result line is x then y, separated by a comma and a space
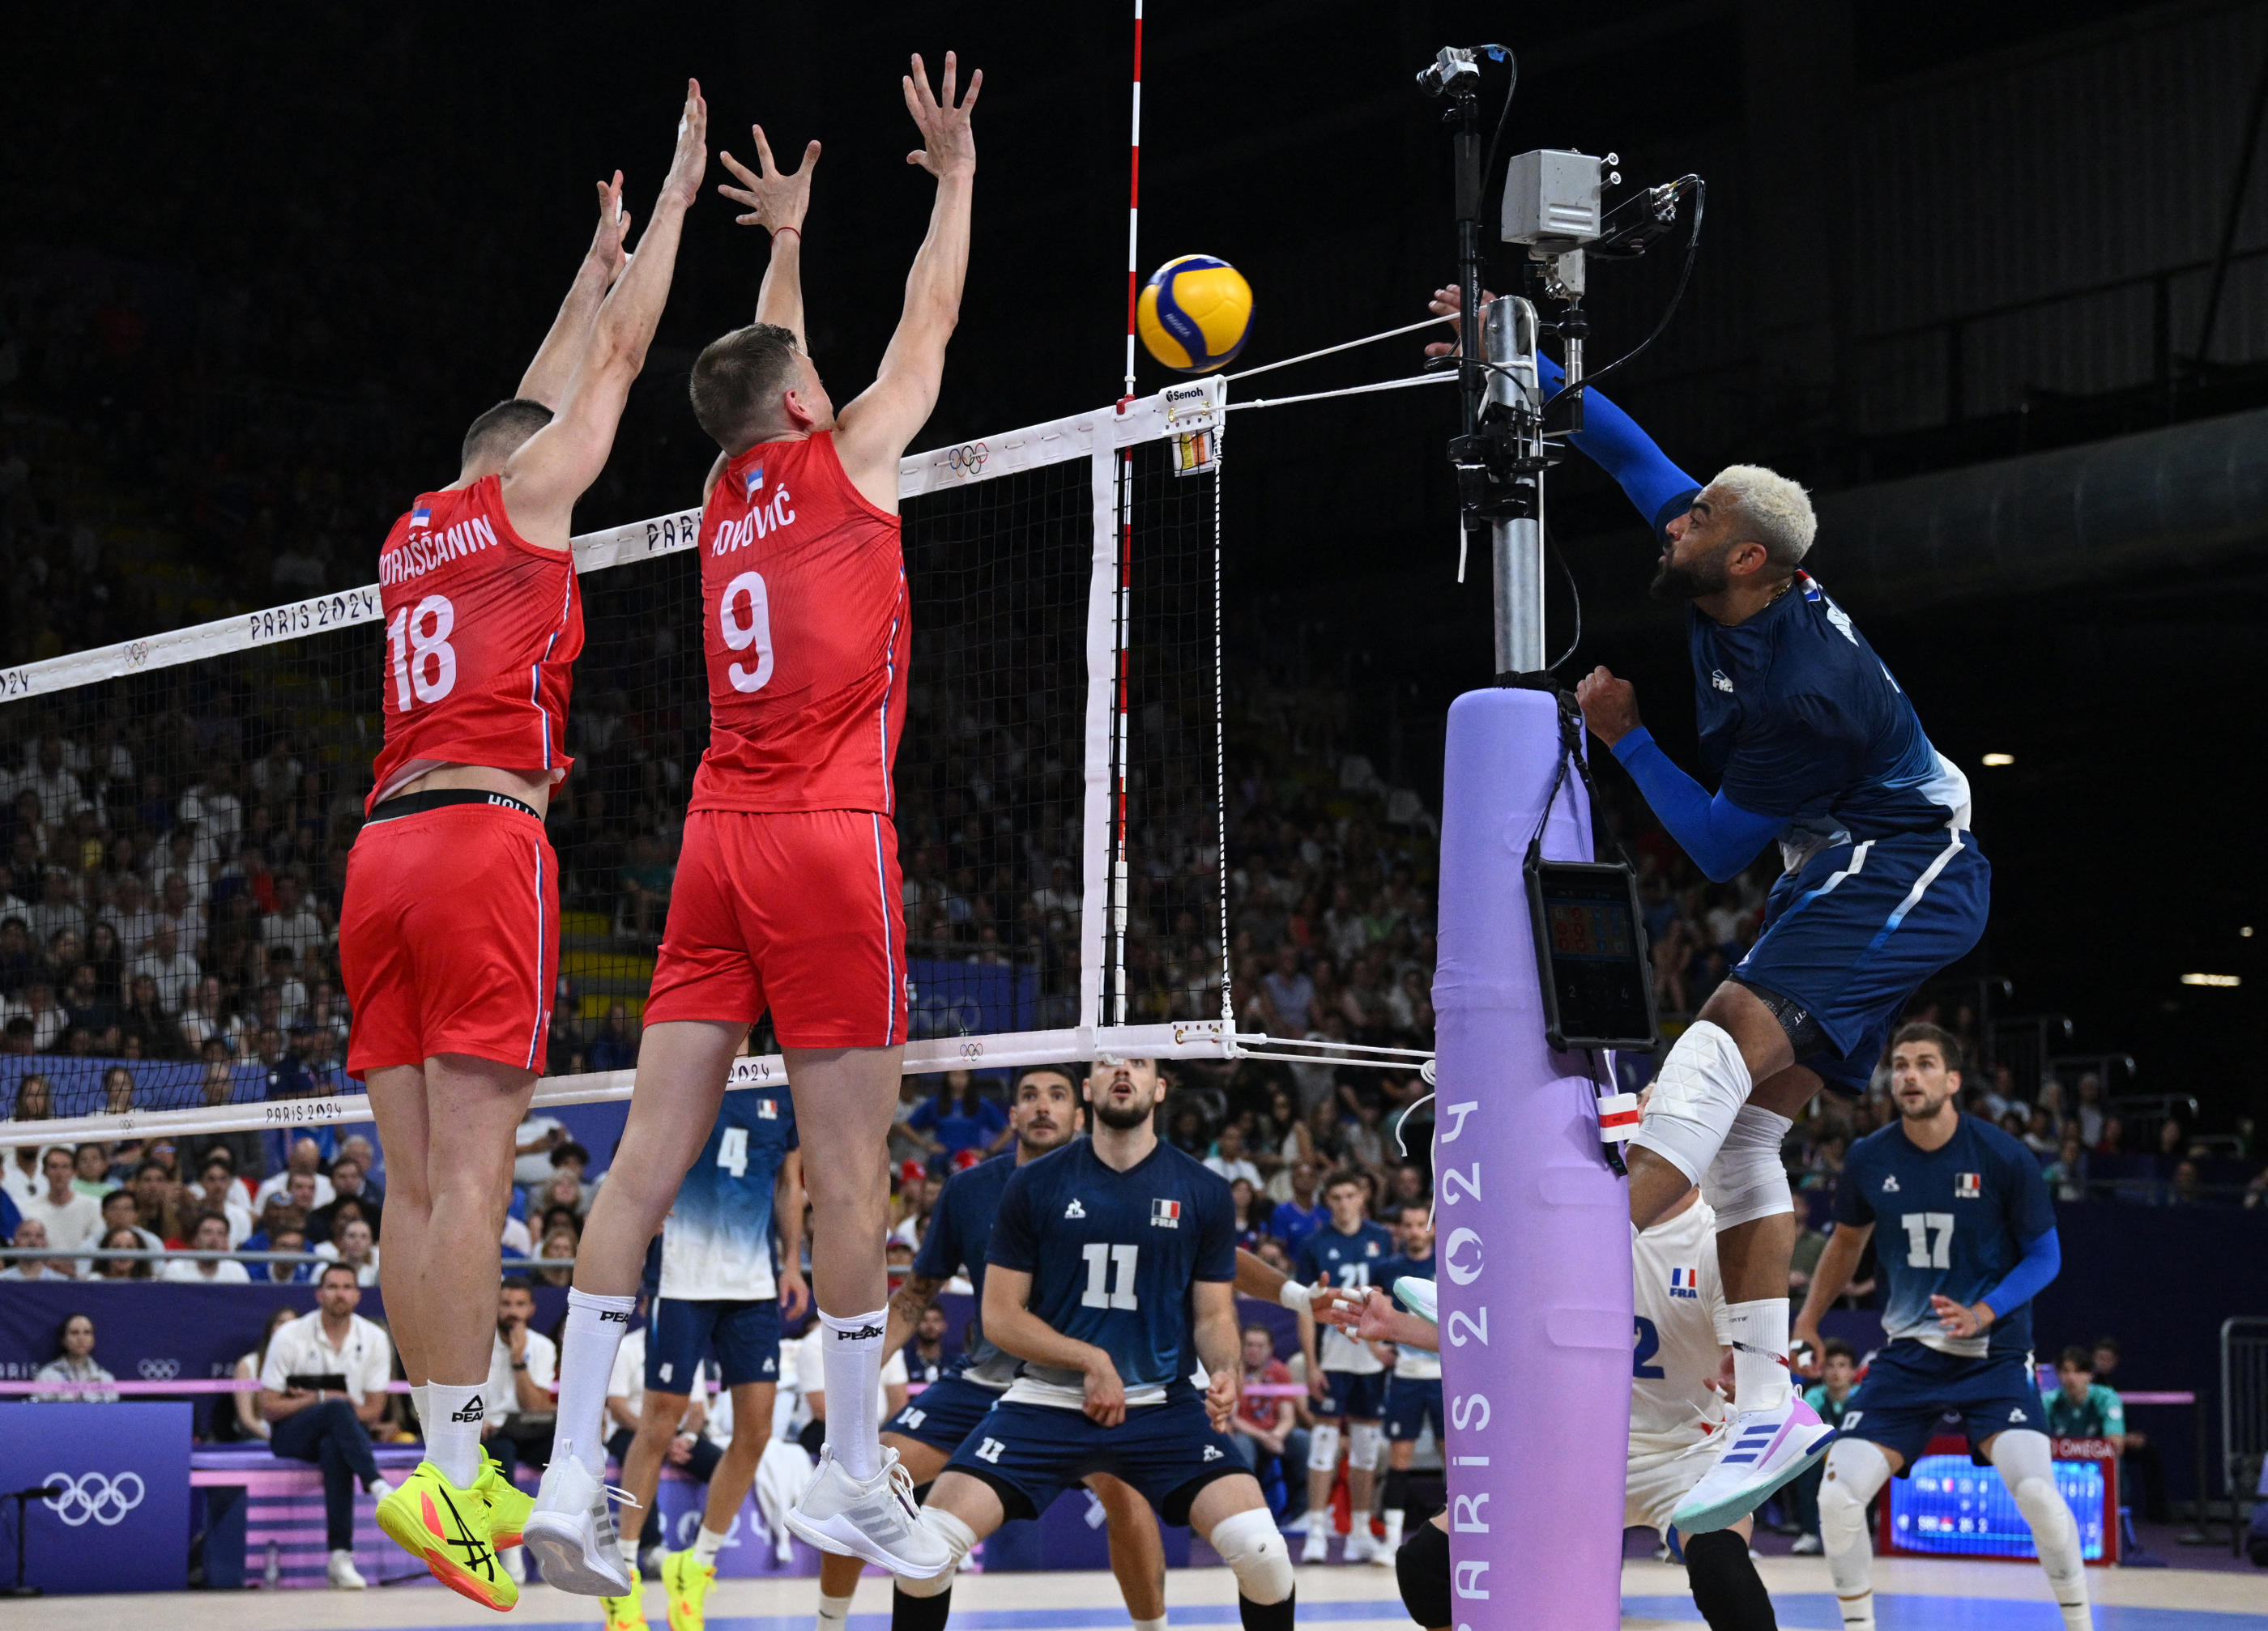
424, 663
1113, 1264
733, 1151
743, 629
1929, 1239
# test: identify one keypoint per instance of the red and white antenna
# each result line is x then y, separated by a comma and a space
1134, 203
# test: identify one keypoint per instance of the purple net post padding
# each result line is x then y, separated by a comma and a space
1532, 1225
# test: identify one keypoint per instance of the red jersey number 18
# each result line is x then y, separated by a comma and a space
742, 630
417, 640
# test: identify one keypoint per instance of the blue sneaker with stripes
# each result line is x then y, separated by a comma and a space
1763, 1449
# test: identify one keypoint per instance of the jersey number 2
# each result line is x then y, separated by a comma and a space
1116, 1264
1929, 1239
1645, 1342
424, 661
752, 630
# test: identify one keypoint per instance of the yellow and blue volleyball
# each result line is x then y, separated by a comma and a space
1194, 313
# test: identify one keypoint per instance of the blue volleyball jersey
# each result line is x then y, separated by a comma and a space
1800, 720
716, 1244
1950, 1223
960, 1232
1350, 1262
1114, 1259
1416, 1364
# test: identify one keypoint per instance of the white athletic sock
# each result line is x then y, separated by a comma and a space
706, 1544
833, 1612
1158, 1624
1394, 1517
851, 1364
420, 1403
1759, 1376
594, 1331
628, 1543
452, 1431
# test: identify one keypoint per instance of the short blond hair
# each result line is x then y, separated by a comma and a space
1775, 511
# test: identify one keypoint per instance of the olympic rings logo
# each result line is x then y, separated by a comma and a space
103, 1501
159, 1369
968, 459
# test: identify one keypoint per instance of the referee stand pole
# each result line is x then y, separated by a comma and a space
1531, 1224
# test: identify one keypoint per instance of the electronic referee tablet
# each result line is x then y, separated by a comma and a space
1591, 956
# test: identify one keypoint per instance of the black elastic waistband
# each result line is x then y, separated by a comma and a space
418, 804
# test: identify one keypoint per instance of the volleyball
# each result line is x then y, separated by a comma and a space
1195, 312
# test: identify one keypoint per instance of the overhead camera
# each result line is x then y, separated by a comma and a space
1454, 71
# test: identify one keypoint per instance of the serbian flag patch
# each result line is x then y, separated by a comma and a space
1618, 1117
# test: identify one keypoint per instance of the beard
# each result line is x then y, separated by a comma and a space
1925, 1111
1039, 1140
1125, 1120
1690, 580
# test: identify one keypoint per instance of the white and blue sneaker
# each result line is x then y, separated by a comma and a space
1763, 1449
1419, 1296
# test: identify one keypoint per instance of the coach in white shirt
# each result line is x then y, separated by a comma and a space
331, 1428
73, 1220
523, 1370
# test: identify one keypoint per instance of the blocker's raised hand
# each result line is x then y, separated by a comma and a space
948, 145
683, 184
1610, 705
614, 229
774, 198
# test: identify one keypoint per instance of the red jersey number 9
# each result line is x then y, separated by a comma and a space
417, 643
755, 629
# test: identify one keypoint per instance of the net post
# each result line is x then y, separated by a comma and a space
1094, 816
1535, 1287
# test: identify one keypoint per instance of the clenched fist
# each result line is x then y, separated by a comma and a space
1610, 705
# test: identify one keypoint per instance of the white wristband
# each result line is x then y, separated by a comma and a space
1299, 1298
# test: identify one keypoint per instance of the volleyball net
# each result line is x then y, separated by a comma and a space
1059, 787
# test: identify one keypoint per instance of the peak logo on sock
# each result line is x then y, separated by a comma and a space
616, 1315
471, 1412
861, 1335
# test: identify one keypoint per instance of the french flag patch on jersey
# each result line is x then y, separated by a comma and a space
767, 1110
421, 518
1165, 1215
1684, 1282
1968, 1185
752, 482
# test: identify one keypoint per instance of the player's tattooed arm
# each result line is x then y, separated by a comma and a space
910, 1301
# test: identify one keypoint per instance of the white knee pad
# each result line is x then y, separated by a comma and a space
1322, 1451
956, 1535
1856, 1472
1701, 1088
1746, 1180
1255, 1554
2026, 1465
1364, 1442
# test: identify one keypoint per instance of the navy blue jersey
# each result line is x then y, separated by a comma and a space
1950, 1223
1800, 720
959, 1231
717, 1244
1350, 1262
1114, 1259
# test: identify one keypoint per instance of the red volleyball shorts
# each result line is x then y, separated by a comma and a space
796, 911
449, 936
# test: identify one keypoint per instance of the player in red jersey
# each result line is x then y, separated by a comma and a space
787, 889
449, 938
